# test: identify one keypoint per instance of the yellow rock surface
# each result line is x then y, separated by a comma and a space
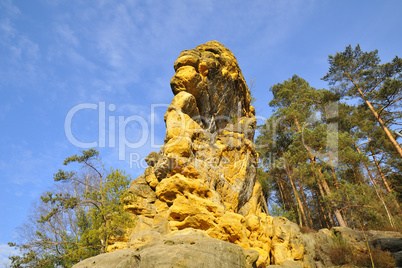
204, 177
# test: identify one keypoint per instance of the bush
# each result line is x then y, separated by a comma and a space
341, 255
381, 259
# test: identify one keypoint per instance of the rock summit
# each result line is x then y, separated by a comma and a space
203, 179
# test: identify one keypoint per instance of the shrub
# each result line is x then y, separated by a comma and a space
381, 259
341, 255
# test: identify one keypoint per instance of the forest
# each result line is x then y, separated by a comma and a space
331, 157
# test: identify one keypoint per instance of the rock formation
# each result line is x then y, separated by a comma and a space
204, 177
180, 250
198, 204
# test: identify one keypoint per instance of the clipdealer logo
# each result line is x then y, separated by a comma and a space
112, 131
115, 126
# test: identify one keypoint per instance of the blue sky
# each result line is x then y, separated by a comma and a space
55, 55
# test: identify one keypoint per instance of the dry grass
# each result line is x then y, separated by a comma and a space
306, 230
381, 259
341, 255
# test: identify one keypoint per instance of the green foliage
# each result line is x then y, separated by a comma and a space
277, 211
266, 185
337, 239
234, 119
354, 73
328, 162
251, 86
63, 175
85, 157
354, 68
77, 219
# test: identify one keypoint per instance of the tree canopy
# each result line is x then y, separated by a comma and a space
359, 74
77, 218
328, 161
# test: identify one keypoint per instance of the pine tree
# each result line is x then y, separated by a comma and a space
359, 74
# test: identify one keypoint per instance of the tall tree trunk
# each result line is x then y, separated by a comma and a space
391, 221
381, 174
335, 210
379, 119
324, 221
303, 195
296, 194
281, 192
331, 220
380, 170
383, 178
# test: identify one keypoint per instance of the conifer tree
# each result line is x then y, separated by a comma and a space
355, 73
323, 159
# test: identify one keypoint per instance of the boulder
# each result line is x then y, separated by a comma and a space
389, 244
393, 245
177, 251
398, 258
358, 240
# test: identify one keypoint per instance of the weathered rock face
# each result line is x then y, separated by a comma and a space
185, 251
211, 74
204, 176
210, 126
200, 191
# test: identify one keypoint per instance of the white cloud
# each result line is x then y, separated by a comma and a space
67, 34
5, 252
9, 8
128, 48
20, 54
20, 46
